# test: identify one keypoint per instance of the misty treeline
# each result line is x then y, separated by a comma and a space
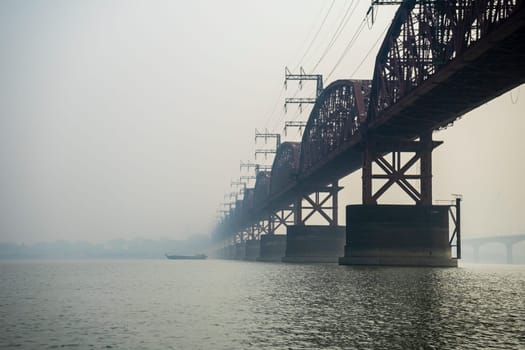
115, 249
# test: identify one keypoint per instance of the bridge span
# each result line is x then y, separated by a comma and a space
507, 240
438, 61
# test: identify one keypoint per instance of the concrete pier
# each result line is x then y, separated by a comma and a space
272, 248
240, 251
229, 251
314, 243
397, 235
253, 247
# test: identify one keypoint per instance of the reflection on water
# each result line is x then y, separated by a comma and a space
240, 305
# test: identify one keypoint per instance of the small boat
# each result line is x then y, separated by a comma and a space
187, 257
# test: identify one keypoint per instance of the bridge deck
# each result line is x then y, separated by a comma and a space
486, 70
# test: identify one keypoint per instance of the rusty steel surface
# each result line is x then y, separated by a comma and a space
248, 199
262, 188
439, 60
334, 120
285, 166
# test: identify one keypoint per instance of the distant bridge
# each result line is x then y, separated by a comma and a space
508, 241
438, 61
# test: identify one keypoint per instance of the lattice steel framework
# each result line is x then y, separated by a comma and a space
396, 171
285, 166
261, 227
424, 37
323, 201
281, 218
262, 188
439, 60
248, 201
335, 118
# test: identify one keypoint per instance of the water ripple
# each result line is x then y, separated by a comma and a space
240, 305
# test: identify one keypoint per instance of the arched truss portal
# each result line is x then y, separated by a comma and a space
424, 38
261, 189
248, 199
335, 118
285, 166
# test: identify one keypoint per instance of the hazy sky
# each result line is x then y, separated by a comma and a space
121, 119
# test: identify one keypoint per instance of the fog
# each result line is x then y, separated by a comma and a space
126, 119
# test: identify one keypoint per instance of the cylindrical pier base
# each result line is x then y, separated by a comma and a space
319, 244
272, 247
398, 235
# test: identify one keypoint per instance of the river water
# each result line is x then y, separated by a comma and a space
214, 304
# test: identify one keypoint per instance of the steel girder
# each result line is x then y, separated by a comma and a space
285, 166
424, 38
335, 118
262, 188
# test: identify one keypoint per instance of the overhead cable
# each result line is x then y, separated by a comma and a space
316, 34
344, 21
369, 51
349, 46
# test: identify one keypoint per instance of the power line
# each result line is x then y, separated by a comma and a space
282, 117
370, 51
316, 34
270, 115
349, 46
342, 25
312, 28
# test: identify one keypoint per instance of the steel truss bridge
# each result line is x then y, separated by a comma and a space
439, 60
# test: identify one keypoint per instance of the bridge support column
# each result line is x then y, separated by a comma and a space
401, 235
272, 247
252, 250
426, 168
395, 171
318, 201
406, 235
229, 251
262, 227
240, 250
298, 211
282, 218
316, 243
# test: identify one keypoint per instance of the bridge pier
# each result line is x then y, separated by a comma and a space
397, 171
406, 235
272, 247
314, 243
400, 235
252, 250
240, 251
229, 251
